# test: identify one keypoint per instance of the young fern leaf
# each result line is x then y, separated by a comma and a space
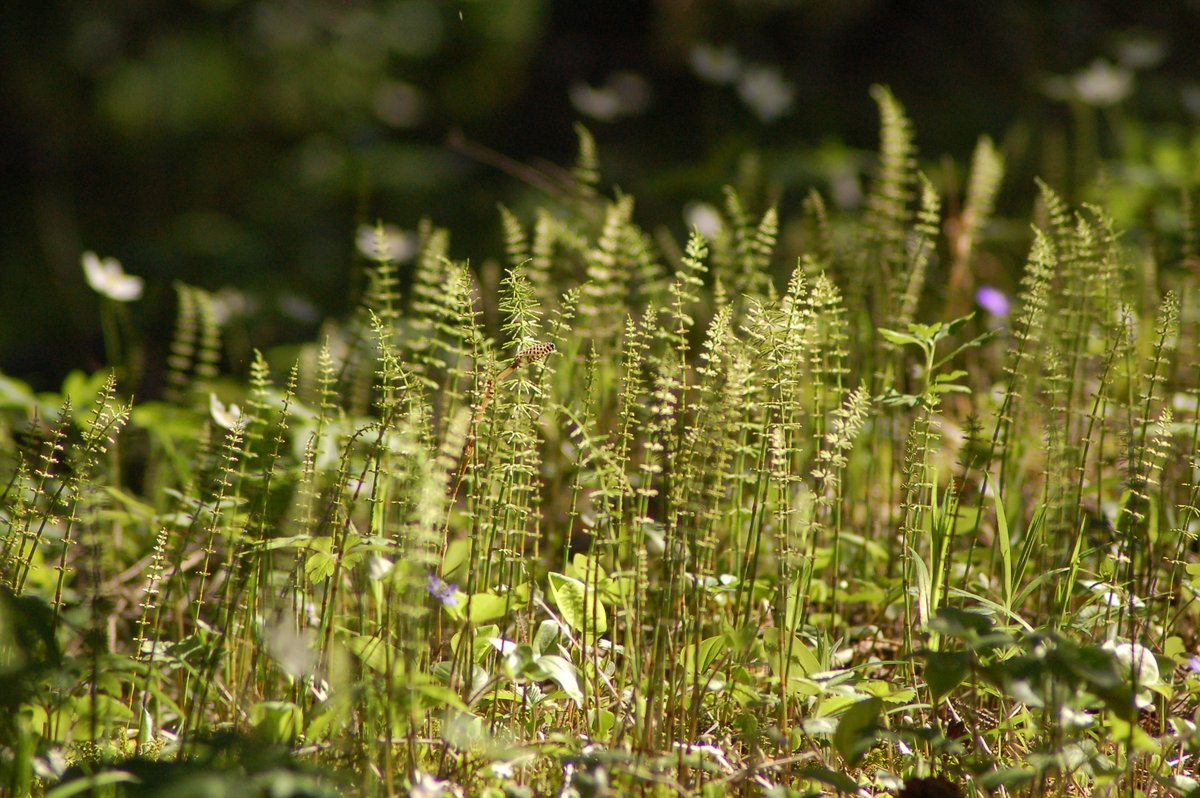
516, 243
923, 246
987, 172
607, 273
888, 214
819, 233
587, 163
685, 290
382, 296
183, 344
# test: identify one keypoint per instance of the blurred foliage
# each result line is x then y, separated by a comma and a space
222, 141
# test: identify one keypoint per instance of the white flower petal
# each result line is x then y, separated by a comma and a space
227, 417
388, 243
715, 64
379, 567
107, 278
705, 218
1103, 84
768, 93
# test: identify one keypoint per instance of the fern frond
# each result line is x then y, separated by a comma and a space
587, 162
987, 172
516, 243
888, 215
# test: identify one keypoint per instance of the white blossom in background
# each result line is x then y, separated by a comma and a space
1141, 52
1134, 659
1190, 95
703, 217
399, 104
1102, 84
107, 278
388, 243
623, 94
229, 303
1147, 666
295, 651
426, 786
767, 92
720, 65
225, 417
297, 307
599, 103
378, 567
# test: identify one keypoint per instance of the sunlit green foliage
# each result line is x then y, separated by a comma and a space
701, 523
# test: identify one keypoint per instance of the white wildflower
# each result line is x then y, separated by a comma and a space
426, 786
624, 94
107, 278
385, 243
294, 650
1141, 52
715, 64
767, 92
1190, 95
705, 218
1134, 659
599, 103
1102, 84
226, 417
1147, 666
379, 567
229, 303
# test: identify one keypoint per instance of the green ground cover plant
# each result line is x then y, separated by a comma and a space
650, 517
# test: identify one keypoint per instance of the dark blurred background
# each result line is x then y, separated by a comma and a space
242, 142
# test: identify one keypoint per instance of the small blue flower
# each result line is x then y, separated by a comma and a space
442, 591
993, 300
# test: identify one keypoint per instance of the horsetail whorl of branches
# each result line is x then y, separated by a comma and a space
524, 357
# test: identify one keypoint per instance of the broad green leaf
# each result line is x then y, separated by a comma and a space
547, 636
578, 605
15, 394
484, 607
839, 781
900, 338
277, 721
1004, 541
587, 569
563, 674
945, 670
601, 722
960, 623
91, 784
1008, 778
709, 650
319, 566
857, 730
330, 715
375, 654
921, 576
82, 390
454, 563
1131, 734
954, 326
439, 695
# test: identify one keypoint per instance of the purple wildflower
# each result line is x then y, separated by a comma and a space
993, 300
442, 591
